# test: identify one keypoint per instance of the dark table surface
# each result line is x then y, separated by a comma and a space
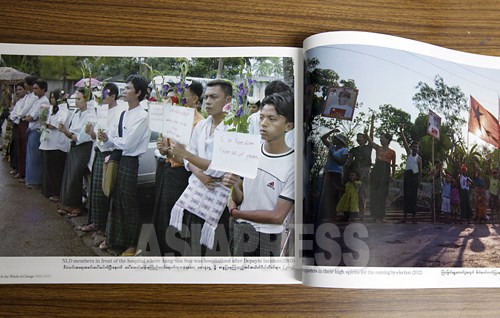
471, 26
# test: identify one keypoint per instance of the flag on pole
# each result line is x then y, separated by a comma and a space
483, 124
434, 125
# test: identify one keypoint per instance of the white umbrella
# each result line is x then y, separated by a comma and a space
9, 74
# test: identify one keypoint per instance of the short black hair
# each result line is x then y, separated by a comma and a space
225, 85
42, 84
113, 89
387, 136
344, 93
140, 84
281, 104
85, 92
278, 87
30, 79
356, 172
20, 84
197, 89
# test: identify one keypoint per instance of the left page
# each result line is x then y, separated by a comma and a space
193, 160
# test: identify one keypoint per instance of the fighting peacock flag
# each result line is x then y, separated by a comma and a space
483, 124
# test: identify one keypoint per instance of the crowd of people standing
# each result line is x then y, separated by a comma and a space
349, 171
51, 147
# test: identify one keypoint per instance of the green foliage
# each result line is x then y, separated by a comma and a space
207, 67
24, 63
390, 119
267, 66
116, 69
320, 80
59, 67
237, 116
447, 100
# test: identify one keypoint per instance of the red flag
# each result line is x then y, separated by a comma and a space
483, 124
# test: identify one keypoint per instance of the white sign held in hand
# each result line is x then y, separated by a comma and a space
236, 153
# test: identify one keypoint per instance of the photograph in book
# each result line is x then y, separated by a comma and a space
159, 154
393, 187
340, 103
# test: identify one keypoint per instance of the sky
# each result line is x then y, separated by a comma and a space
389, 76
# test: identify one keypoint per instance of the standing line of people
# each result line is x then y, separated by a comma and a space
58, 145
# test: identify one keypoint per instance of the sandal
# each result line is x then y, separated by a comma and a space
73, 214
131, 251
98, 240
54, 199
62, 211
87, 228
103, 245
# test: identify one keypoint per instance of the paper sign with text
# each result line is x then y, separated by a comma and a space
102, 115
236, 153
156, 117
91, 113
178, 123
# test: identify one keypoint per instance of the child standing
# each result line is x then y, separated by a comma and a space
349, 201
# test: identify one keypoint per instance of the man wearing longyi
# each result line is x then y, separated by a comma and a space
124, 221
204, 226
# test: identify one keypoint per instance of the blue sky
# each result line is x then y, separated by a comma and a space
389, 76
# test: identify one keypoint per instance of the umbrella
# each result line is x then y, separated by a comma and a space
85, 82
9, 74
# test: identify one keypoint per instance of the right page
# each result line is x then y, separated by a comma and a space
401, 160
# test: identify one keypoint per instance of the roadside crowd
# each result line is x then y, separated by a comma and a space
58, 150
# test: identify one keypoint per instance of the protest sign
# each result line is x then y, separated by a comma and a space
236, 153
156, 117
178, 123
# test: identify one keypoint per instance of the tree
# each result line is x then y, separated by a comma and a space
115, 69
442, 146
319, 81
25, 63
447, 100
60, 68
267, 66
390, 119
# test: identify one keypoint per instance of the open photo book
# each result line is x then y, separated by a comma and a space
360, 160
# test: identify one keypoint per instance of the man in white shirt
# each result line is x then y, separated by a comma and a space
98, 202
29, 100
124, 221
33, 153
282, 89
197, 157
15, 117
265, 201
411, 179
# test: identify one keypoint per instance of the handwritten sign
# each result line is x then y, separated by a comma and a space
102, 115
178, 123
156, 117
236, 153
91, 113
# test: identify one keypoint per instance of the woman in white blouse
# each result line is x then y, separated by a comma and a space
78, 157
54, 146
